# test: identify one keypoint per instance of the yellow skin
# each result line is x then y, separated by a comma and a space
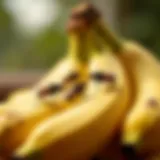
83, 129
76, 138
145, 110
107, 64
25, 109
75, 62
143, 68
22, 112
2, 109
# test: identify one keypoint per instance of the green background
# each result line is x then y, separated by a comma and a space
18, 52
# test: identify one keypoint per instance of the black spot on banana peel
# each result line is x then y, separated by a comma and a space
153, 102
78, 89
72, 77
52, 89
55, 88
100, 76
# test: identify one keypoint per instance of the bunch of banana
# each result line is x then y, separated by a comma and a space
82, 130
141, 127
65, 84
117, 90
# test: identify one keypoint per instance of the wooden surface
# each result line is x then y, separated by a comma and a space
10, 81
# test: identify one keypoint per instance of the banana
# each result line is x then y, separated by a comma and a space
21, 115
143, 68
82, 130
26, 109
106, 73
68, 74
78, 131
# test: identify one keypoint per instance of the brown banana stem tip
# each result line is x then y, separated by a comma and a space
86, 16
82, 17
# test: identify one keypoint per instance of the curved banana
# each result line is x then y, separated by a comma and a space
78, 131
143, 68
26, 110
69, 73
83, 129
21, 115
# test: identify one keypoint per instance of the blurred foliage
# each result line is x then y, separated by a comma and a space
42, 50
144, 22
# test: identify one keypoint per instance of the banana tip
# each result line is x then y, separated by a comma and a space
16, 158
82, 17
23, 152
85, 10
131, 139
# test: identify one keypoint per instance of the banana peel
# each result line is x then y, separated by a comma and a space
25, 109
79, 131
20, 115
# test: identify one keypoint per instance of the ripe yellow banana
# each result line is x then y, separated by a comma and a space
79, 131
26, 109
143, 68
82, 130
106, 72
70, 73
21, 115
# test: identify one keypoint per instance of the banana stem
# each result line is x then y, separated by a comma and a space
98, 47
108, 37
97, 42
79, 46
